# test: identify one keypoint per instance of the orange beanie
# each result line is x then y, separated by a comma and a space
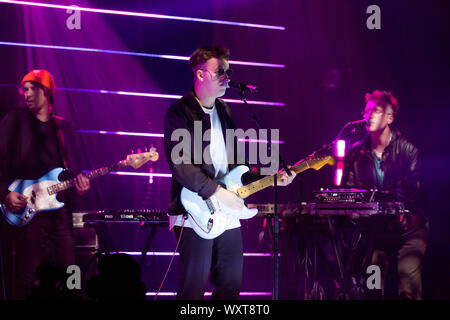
41, 76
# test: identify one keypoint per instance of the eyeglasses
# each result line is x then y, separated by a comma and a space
222, 72
377, 112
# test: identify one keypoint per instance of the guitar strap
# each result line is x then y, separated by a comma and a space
61, 142
63, 156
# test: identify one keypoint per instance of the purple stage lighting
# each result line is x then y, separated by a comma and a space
143, 15
142, 174
262, 293
122, 133
165, 253
161, 135
340, 148
137, 174
139, 54
166, 96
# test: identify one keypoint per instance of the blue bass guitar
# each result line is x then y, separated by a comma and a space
41, 193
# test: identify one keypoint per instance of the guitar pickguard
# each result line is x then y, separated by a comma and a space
210, 218
38, 197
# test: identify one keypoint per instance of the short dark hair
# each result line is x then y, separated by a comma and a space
383, 97
203, 54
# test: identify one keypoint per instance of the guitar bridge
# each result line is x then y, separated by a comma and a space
210, 224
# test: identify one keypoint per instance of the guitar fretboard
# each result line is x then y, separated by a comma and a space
268, 181
91, 175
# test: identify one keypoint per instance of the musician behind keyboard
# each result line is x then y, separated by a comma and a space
386, 160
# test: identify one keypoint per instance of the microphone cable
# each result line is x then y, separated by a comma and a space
171, 260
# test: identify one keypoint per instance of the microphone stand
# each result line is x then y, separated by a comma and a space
276, 227
343, 279
327, 146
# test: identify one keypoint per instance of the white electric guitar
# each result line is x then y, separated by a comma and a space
210, 218
42, 192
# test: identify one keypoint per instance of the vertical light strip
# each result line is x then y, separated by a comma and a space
340, 154
340, 149
339, 172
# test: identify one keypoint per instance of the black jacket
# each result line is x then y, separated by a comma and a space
30, 148
400, 163
197, 177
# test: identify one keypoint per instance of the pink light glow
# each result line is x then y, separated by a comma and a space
157, 95
150, 178
166, 96
142, 15
260, 141
338, 177
275, 104
142, 174
162, 253
161, 135
122, 133
131, 53
340, 149
138, 174
210, 293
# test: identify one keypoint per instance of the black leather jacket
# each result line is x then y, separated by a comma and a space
400, 163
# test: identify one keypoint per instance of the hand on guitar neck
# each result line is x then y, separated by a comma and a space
210, 217
28, 197
82, 184
235, 202
284, 178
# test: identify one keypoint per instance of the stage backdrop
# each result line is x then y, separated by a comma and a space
117, 73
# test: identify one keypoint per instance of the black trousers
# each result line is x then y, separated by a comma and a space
220, 258
47, 237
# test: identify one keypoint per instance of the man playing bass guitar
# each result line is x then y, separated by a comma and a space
34, 141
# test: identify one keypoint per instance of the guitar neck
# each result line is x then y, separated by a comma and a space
268, 181
91, 175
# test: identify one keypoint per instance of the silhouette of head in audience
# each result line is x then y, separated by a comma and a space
50, 284
119, 277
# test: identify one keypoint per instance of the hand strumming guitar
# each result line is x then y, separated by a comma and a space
229, 198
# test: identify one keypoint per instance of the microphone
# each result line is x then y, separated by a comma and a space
362, 122
242, 86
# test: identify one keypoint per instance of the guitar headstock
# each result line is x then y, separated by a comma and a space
137, 160
318, 162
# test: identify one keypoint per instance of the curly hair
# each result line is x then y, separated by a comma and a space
385, 98
203, 54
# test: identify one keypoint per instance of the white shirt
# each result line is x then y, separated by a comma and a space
219, 160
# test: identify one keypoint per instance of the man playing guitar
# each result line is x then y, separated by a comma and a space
33, 142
